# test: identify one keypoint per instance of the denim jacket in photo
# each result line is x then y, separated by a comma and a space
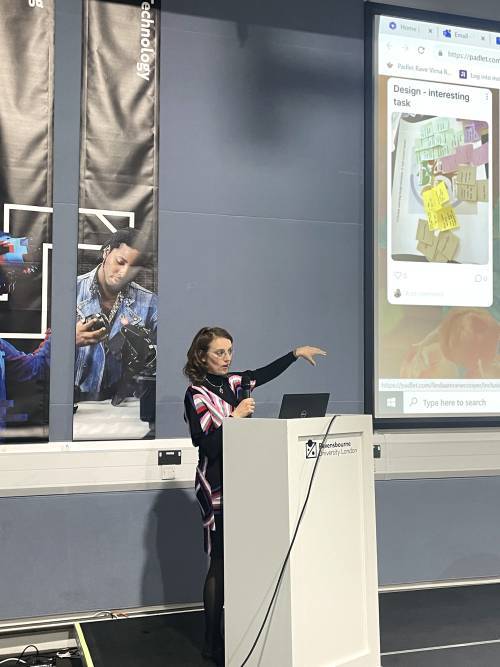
138, 306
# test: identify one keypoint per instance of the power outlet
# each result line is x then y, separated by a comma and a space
167, 472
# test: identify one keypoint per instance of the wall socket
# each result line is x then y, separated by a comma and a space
167, 472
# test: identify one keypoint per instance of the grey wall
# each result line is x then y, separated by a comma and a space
99, 551
261, 192
261, 202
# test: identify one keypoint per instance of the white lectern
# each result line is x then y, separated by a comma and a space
326, 611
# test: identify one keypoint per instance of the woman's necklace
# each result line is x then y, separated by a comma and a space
219, 387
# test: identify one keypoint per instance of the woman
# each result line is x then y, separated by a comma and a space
214, 393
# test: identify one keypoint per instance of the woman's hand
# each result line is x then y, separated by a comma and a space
245, 408
308, 353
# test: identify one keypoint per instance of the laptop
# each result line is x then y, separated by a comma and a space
298, 406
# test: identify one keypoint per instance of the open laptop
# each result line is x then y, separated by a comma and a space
298, 406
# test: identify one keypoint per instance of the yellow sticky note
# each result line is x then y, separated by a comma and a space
433, 220
446, 219
431, 201
442, 193
435, 197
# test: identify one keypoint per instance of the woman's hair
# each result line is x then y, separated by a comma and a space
195, 368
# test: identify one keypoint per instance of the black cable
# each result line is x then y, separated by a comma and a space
287, 557
18, 661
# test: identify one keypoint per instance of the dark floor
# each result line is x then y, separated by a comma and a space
409, 622
441, 617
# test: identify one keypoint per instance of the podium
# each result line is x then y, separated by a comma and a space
326, 609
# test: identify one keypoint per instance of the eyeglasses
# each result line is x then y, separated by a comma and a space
220, 354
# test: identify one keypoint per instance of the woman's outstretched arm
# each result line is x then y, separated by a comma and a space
275, 368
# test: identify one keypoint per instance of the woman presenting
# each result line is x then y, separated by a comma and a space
214, 393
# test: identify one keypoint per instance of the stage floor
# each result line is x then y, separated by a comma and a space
451, 627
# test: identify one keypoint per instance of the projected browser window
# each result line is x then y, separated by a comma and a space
437, 299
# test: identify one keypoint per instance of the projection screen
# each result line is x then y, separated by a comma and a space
433, 223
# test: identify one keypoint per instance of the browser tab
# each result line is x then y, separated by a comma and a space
464, 36
407, 28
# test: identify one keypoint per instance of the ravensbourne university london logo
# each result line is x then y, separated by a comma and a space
311, 449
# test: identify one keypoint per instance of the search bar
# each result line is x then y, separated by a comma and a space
465, 402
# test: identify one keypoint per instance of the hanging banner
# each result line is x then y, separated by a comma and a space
116, 310
26, 117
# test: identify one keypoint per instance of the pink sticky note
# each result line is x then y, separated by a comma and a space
448, 164
464, 153
480, 155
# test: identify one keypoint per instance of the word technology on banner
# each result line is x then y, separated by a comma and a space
117, 306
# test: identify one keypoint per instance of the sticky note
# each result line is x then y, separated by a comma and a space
423, 247
421, 227
442, 124
431, 200
433, 220
459, 137
423, 232
480, 155
466, 192
447, 245
466, 174
427, 130
425, 154
448, 164
439, 152
470, 133
464, 154
442, 193
435, 197
481, 126
428, 142
482, 190
438, 257
428, 249
446, 219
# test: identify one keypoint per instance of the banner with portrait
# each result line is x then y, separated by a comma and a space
116, 310
26, 141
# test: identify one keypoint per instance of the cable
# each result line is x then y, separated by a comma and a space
287, 557
19, 660
2, 662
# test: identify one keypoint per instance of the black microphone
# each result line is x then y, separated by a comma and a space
246, 387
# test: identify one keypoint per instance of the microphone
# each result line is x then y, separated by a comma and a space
246, 387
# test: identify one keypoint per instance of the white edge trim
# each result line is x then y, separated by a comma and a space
92, 467
435, 453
